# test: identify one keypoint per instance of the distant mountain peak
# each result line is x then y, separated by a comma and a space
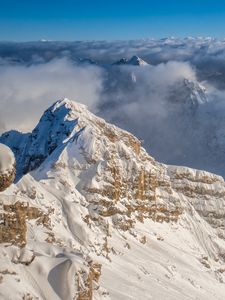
137, 61
133, 61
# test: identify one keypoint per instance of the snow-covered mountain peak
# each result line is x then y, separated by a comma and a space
133, 61
69, 104
64, 121
187, 94
94, 208
137, 61
197, 91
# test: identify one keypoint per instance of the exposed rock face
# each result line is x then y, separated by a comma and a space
13, 227
7, 179
205, 191
7, 167
89, 282
97, 198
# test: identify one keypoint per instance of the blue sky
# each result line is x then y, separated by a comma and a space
110, 19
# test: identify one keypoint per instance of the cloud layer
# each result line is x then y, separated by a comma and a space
25, 92
164, 104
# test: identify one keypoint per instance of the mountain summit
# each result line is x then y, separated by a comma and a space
94, 216
133, 61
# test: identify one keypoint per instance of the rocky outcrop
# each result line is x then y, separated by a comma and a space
6, 179
87, 283
204, 191
7, 167
14, 217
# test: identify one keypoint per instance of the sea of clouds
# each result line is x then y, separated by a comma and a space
149, 101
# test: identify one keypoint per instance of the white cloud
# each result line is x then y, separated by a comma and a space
25, 92
153, 106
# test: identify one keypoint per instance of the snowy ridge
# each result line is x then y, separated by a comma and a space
101, 219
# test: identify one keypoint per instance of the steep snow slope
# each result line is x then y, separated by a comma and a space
96, 217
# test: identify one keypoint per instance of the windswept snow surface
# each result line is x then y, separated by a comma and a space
157, 230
